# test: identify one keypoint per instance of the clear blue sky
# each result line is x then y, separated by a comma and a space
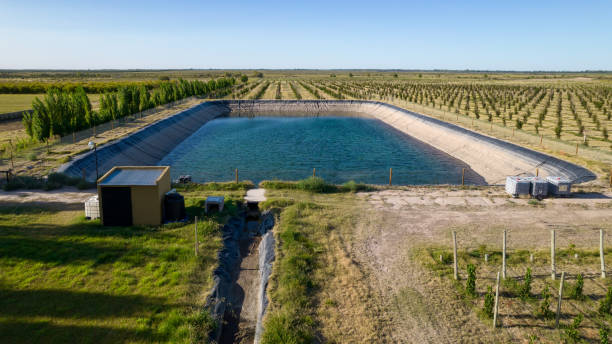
492, 35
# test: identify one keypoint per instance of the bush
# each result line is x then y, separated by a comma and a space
470, 284
571, 331
575, 290
84, 185
315, 185
489, 302
606, 303
62, 179
603, 335
525, 289
275, 203
543, 310
352, 186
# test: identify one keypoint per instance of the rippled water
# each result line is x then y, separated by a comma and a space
288, 148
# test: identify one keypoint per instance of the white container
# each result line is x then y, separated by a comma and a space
559, 186
517, 186
92, 208
539, 187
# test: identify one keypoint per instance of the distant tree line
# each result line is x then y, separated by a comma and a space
62, 112
89, 87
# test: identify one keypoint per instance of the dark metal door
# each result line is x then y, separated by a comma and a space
117, 206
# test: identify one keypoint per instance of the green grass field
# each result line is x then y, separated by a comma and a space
66, 279
20, 102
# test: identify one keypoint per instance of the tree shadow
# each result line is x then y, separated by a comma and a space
73, 304
17, 332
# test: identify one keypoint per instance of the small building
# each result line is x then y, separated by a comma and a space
133, 195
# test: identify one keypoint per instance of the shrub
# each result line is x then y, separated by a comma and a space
525, 289
489, 302
543, 310
315, 185
575, 290
571, 331
352, 186
603, 335
606, 303
470, 284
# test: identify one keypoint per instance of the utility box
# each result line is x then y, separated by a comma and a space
517, 186
92, 208
133, 195
559, 186
539, 187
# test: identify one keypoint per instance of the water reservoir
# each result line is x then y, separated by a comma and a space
288, 148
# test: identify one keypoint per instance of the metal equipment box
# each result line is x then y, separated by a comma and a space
559, 186
517, 186
539, 187
92, 208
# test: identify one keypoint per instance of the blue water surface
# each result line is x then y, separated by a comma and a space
288, 148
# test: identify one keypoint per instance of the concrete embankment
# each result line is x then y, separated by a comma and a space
491, 158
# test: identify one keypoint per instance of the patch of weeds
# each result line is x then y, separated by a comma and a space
543, 310
489, 303
214, 186
352, 186
603, 335
470, 283
570, 334
575, 290
525, 288
536, 203
606, 303
276, 203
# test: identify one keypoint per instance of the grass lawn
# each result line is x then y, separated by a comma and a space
66, 279
19, 102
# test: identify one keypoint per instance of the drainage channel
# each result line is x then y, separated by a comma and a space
246, 295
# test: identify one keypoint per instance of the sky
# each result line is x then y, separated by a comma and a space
478, 35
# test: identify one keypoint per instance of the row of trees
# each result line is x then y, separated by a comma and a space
89, 87
62, 112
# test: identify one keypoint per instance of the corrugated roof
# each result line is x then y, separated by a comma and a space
132, 176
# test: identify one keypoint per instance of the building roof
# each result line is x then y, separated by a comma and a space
133, 176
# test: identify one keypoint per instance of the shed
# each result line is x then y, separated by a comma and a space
133, 195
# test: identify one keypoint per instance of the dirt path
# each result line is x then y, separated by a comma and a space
65, 198
421, 306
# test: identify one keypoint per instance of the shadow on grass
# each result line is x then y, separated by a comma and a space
46, 332
76, 304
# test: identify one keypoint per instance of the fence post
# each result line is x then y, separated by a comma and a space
504, 257
601, 253
463, 177
456, 272
236, 176
560, 297
314, 172
390, 176
196, 236
576, 148
537, 172
552, 254
541, 138
496, 308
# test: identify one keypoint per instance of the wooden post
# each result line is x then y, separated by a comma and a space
576, 149
560, 297
512, 132
236, 176
552, 254
463, 177
196, 235
456, 272
391, 176
504, 257
601, 253
541, 138
496, 308
314, 172
537, 172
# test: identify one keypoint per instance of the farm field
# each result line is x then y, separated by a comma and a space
65, 277
20, 102
564, 114
371, 259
